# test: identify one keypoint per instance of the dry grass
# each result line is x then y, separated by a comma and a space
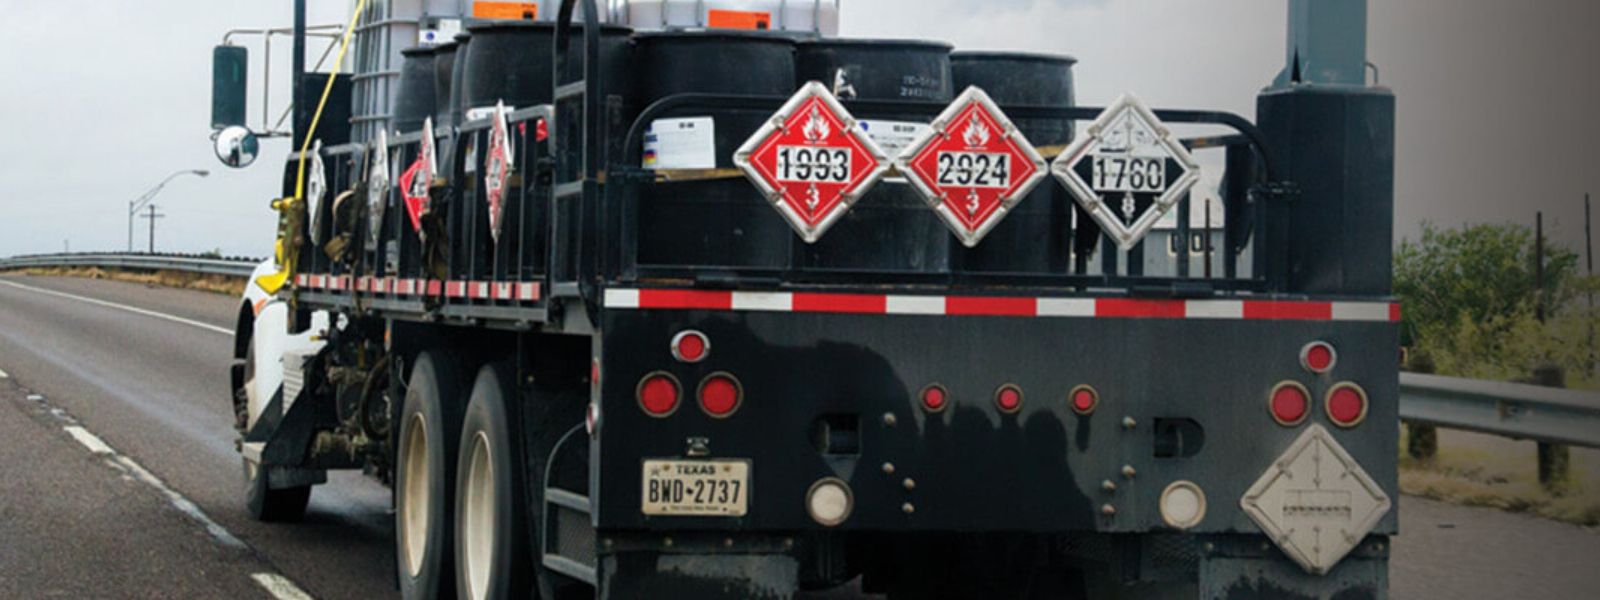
232, 286
1481, 470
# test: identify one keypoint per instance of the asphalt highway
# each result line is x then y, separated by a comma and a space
119, 479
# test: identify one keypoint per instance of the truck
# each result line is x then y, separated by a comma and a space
670, 299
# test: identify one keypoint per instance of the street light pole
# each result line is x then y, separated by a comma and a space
135, 205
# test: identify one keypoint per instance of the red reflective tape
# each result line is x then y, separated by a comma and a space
1288, 311
1139, 309
840, 303
990, 306
686, 299
528, 292
1394, 312
433, 288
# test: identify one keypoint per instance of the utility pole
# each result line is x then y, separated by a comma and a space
1588, 243
1538, 265
152, 216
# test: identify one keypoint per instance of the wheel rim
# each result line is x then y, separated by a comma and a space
415, 498
478, 514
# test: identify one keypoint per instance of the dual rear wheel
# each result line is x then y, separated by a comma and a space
461, 503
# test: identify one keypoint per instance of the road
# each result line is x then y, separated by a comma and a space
120, 477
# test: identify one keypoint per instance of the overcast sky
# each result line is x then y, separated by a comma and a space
1497, 100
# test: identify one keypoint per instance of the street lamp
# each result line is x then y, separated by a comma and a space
135, 205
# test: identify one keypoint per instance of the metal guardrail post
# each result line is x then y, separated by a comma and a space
1555, 460
1422, 440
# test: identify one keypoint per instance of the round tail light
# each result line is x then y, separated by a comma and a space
1318, 357
1008, 398
720, 395
1346, 405
1183, 505
829, 501
1084, 399
1289, 403
935, 397
658, 394
690, 346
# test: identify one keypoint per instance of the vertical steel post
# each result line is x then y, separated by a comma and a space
298, 63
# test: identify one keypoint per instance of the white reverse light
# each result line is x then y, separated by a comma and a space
1183, 504
829, 501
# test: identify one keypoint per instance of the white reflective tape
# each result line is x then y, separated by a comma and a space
525, 291
1214, 309
763, 301
1360, 311
1066, 307
622, 298
914, 305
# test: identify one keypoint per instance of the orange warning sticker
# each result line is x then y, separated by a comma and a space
527, 11
738, 19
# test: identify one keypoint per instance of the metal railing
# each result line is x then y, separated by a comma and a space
225, 266
1514, 410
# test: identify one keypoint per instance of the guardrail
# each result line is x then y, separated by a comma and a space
227, 266
1515, 410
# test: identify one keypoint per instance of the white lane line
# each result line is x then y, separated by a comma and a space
179, 502
89, 440
132, 309
280, 587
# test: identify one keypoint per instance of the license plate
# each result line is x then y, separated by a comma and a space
696, 488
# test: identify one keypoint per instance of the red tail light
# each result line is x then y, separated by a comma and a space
935, 397
658, 394
1008, 398
1084, 399
721, 395
1346, 405
690, 346
1289, 403
1318, 357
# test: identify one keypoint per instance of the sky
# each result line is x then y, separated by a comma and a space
1497, 101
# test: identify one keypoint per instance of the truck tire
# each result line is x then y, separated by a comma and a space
264, 503
491, 512
430, 426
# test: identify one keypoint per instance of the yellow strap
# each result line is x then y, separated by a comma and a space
286, 256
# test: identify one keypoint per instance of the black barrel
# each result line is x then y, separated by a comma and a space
720, 222
509, 61
1036, 236
444, 66
457, 73
415, 98
891, 228
1022, 79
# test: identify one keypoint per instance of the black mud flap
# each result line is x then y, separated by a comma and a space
1264, 573
672, 576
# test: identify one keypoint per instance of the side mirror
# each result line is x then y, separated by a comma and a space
229, 78
237, 147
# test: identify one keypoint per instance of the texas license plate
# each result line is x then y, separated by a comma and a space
696, 488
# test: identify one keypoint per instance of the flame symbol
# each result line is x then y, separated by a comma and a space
816, 129
977, 135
